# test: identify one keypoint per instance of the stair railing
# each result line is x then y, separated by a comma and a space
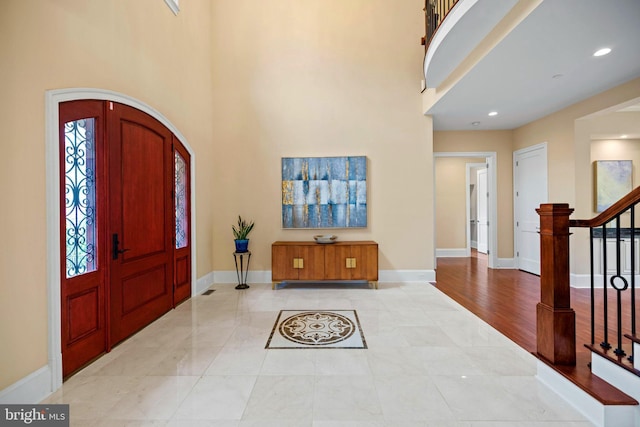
608, 234
435, 12
613, 232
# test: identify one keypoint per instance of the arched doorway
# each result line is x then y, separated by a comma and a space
178, 259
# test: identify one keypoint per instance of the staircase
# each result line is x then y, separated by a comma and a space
619, 371
613, 391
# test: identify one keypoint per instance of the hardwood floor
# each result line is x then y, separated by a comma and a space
506, 299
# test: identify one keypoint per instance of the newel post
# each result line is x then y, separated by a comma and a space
556, 320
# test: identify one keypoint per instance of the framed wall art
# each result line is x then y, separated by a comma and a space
324, 192
613, 181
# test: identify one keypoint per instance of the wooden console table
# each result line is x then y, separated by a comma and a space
311, 261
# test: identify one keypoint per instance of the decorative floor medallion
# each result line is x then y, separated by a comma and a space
317, 329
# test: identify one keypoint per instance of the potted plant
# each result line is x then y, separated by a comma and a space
240, 233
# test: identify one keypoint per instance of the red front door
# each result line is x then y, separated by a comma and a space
141, 220
182, 203
125, 226
82, 233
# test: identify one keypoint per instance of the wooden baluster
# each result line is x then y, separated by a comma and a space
556, 320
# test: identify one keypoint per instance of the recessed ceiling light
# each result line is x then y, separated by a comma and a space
602, 52
493, 113
475, 123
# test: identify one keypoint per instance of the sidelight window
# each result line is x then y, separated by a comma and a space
181, 201
80, 197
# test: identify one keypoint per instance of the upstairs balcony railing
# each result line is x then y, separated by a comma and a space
435, 12
614, 243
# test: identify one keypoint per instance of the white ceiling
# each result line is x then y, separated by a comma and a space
516, 78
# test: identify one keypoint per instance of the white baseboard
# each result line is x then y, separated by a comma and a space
506, 263
453, 253
202, 284
31, 389
390, 276
584, 280
230, 276
264, 276
580, 280
599, 414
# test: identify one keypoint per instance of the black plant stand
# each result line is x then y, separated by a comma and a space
242, 271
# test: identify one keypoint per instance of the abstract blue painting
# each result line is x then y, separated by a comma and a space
324, 192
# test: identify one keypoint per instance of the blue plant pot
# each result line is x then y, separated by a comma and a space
242, 245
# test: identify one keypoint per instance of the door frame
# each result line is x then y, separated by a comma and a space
492, 164
52, 174
469, 167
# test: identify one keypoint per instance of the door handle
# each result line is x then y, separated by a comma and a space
115, 244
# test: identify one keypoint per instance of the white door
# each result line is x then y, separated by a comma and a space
530, 186
473, 213
482, 225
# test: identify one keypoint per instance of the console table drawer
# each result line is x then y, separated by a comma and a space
311, 261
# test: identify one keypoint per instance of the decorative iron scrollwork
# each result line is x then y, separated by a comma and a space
181, 201
80, 197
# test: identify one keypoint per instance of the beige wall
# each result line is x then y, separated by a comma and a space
451, 201
500, 142
586, 128
569, 136
557, 131
137, 48
321, 78
568, 143
589, 128
246, 83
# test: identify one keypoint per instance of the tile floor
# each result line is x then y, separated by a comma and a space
316, 329
429, 363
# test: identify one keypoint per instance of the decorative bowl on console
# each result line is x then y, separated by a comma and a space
325, 238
